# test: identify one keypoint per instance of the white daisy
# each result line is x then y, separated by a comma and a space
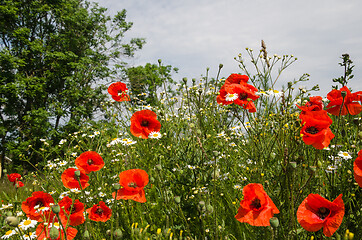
62, 163
262, 93
29, 236
63, 194
4, 206
274, 93
26, 224
231, 97
221, 134
9, 234
101, 194
62, 141
51, 165
96, 133
232, 144
344, 155
56, 225
156, 135
75, 190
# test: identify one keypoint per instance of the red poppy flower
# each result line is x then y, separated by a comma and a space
316, 131
42, 231
133, 181
99, 212
316, 212
351, 101
143, 122
14, 177
237, 78
70, 180
357, 168
71, 212
257, 207
19, 184
314, 104
89, 162
240, 94
32, 205
118, 91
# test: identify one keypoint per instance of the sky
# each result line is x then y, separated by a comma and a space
195, 35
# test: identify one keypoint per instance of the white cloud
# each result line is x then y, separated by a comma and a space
193, 35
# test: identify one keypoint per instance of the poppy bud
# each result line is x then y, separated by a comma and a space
86, 235
290, 84
343, 94
220, 65
360, 135
159, 61
56, 208
116, 186
12, 221
77, 173
209, 208
53, 233
118, 234
274, 222
184, 80
177, 199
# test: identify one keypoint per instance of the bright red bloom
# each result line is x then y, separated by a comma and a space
133, 182
72, 210
89, 162
351, 101
42, 231
71, 181
33, 204
314, 104
99, 212
316, 131
19, 184
257, 207
143, 123
357, 168
14, 177
118, 91
244, 95
237, 78
316, 212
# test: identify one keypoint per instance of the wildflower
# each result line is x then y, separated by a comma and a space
29, 236
230, 97
316, 131
344, 155
72, 211
6, 206
28, 223
14, 178
118, 92
37, 200
237, 79
274, 93
257, 207
133, 182
61, 142
350, 102
8, 234
89, 161
314, 104
143, 123
62, 163
357, 168
99, 212
156, 135
316, 212
70, 180
43, 229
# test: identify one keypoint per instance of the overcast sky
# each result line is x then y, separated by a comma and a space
195, 34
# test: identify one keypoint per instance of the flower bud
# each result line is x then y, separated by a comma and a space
177, 199
77, 173
274, 222
209, 208
343, 94
220, 66
116, 186
53, 233
12, 221
86, 235
56, 208
118, 234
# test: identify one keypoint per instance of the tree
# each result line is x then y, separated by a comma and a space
53, 56
147, 79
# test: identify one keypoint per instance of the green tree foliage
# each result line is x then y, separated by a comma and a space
148, 79
53, 56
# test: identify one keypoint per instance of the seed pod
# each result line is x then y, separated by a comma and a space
12, 221
53, 233
274, 222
